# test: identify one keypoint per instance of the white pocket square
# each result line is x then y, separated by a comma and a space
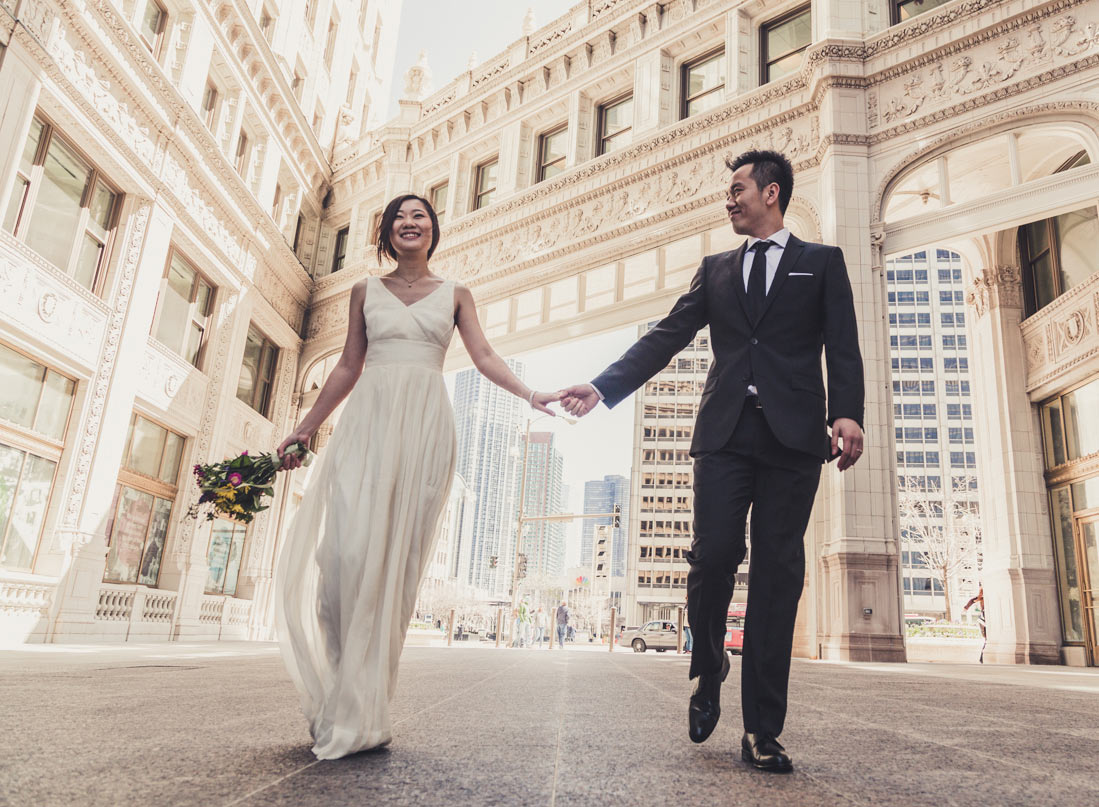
801, 274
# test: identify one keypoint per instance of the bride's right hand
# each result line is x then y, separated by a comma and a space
292, 460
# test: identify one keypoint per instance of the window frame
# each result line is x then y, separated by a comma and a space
543, 138
202, 321
601, 136
432, 195
479, 192
155, 47
684, 80
339, 258
242, 154
209, 114
237, 524
264, 387
764, 28
143, 483
1027, 260
895, 11
32, 187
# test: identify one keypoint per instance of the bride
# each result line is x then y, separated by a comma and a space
348, 574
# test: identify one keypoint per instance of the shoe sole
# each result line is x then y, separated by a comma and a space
747, 757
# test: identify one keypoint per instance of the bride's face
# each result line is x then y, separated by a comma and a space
411, 231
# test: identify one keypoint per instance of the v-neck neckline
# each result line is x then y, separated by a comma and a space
389, 291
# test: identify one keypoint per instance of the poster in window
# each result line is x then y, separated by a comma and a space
131, 525
154, 547
221, 539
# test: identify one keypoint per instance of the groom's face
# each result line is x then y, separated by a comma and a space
747, 205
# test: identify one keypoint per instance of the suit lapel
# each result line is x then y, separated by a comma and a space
790, 256
736, 277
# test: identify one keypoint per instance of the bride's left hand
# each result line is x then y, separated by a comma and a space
541, 399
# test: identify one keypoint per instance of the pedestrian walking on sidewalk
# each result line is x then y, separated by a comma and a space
540, 624
562, 624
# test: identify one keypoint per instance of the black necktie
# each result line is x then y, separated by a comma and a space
757, 278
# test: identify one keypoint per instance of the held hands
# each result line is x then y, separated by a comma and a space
291, 460
849, 432
580, 399
540, 399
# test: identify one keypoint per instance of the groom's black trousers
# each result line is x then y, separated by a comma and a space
778, 483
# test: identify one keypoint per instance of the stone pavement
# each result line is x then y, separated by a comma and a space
218, 724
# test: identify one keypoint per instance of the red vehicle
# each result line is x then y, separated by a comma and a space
734, 627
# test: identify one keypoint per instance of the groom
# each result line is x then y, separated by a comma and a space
761, 435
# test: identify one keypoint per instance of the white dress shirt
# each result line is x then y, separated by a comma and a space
774, 255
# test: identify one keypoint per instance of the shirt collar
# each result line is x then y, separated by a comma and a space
780, 238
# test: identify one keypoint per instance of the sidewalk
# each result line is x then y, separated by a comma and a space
218, 724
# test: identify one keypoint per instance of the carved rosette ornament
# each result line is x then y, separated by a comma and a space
998, 287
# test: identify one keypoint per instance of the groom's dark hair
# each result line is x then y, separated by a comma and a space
768, 167
382, 239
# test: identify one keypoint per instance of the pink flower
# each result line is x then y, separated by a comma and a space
198, 470
235, 479
244, 453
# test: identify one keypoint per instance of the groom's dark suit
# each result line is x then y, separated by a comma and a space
765, 451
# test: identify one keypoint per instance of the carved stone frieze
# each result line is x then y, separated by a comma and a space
41, 301
1007, 53
105, 366
997, 287
1061, 336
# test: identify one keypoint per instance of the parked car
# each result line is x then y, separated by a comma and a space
660, 635
734, 627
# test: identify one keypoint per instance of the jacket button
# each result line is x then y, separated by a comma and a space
753, 341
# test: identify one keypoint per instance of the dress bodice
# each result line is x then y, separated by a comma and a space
416, 334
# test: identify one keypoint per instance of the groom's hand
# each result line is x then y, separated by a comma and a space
849, 432
580, 399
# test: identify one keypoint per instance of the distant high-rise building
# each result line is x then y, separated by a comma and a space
933, 422
489, 425
600, 496
543, 541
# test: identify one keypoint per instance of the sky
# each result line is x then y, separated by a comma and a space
450, 30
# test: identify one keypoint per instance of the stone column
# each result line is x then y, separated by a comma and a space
740, 61
106, 419
1020, 586
849, 19
853, 537
653, 94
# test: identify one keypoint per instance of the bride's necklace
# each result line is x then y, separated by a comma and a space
407, 282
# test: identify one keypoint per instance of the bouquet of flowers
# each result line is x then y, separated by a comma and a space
236, 487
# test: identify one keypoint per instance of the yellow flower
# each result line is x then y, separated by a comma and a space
228, 492
236, 508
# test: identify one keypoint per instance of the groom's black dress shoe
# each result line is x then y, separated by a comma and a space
765, 753
705, 706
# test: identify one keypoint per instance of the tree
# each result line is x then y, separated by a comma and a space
945, 528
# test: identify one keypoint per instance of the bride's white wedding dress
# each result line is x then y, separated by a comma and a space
361, 539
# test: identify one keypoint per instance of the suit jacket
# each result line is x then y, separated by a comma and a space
808, 308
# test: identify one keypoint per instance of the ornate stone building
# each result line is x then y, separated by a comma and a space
163, 170
579, 173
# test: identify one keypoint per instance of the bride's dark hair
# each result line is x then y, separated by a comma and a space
385, 227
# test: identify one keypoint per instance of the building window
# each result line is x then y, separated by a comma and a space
330, 45
1070, 425
485, 190
142, 507
34, 411
1057, 254
352, 80
340, 252
183, 309
153, 22
311, 13
615, 125
438, 197
241, 160
257, 371
552, 150
297, 233
297, 85
903, 10
782, 42
703, 83
276, 202
209, 105
61, 207
223, 556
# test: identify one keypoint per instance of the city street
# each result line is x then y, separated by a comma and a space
218, 724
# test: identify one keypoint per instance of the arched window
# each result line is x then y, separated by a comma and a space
995, 163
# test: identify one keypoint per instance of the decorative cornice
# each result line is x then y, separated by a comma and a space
998, 287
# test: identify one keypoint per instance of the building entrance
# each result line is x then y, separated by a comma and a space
1087, 549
